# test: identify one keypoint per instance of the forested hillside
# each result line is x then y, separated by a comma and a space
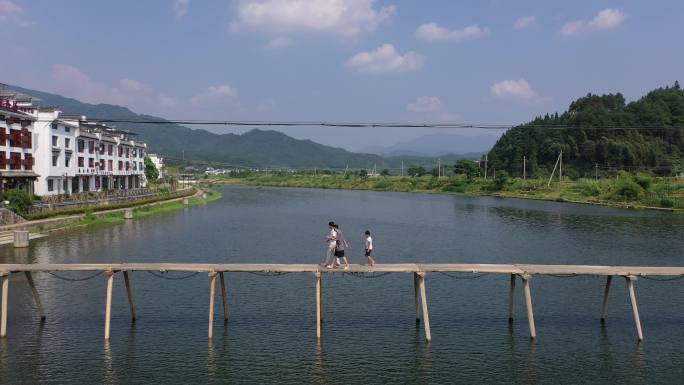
603, 131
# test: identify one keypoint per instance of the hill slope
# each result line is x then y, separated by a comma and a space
254, 148
658, 150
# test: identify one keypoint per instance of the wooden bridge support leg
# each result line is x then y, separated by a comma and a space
319, 305
212, 297
108, 308
416, 293
632, 297
528, 305
3, 312
34, 291
604, 307
511, 299
224, 297
423, 301
129, 292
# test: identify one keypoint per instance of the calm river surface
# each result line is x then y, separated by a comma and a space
370, 335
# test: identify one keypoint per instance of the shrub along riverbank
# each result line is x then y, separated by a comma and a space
626, 190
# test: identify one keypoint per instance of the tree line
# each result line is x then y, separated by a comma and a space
600, 131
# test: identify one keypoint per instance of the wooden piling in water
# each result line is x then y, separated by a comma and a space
604, 307
511, 299
108, 306
129, 292
528, 305
34, 291
319, 308
212, 296
3, 310
416, 296
635, 309
224, 297
423, 301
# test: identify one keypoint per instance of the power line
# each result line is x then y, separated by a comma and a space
485, 126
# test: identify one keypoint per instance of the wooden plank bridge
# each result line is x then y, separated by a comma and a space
524, 272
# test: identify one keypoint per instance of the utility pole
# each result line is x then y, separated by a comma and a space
439, 168
524, 168
554, 170
402, 168
485, 166
596, 168
560, 167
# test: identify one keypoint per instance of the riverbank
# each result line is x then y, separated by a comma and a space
116, 216
626, 191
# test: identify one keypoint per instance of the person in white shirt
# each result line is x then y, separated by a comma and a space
368, 246
331, 242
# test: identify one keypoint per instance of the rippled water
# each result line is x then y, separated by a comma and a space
370, 335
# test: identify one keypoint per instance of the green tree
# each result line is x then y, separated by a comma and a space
19, 200
151, 172
416, 171
468, 168
384, 172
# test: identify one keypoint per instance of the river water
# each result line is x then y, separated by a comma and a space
370, 335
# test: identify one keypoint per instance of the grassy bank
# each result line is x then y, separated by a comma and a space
91, 219
627, 190
83, 210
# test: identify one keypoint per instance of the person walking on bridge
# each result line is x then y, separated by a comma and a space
331, 243
339, 249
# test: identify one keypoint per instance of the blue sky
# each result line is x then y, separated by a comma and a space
487, 61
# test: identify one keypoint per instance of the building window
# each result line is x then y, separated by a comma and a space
110, 148
80, 161
91, 147
120, 151
109, 165
128, 152
91, 162
54, 140
81, 145
65, 181
67, 143
67, 160
54, 126
55, 159
51, 185
66, 129
102, 148
120, 165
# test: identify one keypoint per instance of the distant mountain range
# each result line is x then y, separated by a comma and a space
439, 144
256, 148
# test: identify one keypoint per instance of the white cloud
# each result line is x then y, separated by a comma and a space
279, 43
222, 95
180, 8
513, 89
346, 18
385, 59
11, 12
608, 18
426, 104
434, 33
431, 108
70, 80
524, 22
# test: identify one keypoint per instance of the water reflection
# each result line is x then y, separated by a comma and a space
275, 340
